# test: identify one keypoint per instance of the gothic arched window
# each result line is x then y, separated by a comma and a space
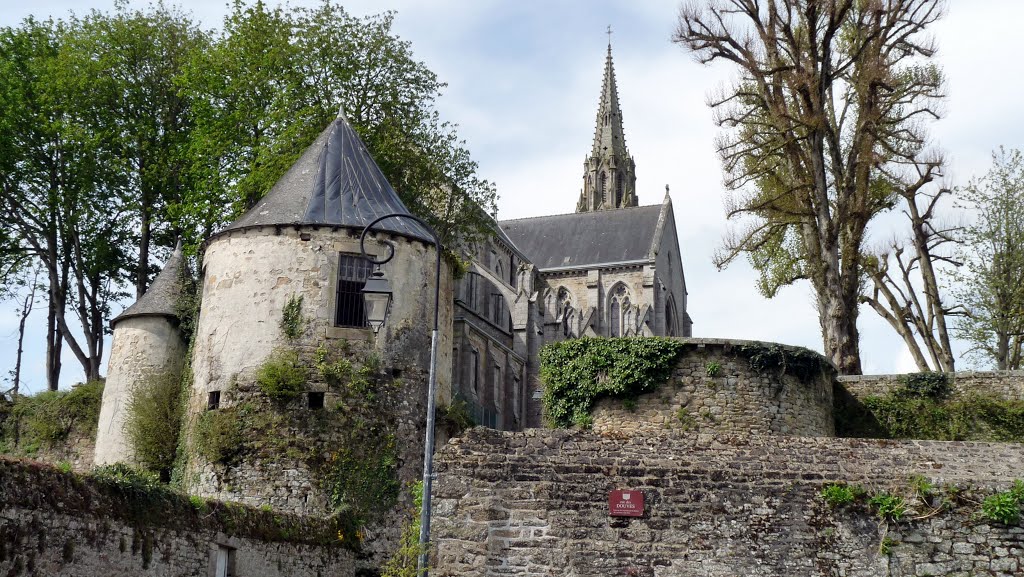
602, 186
618, 190
620, 313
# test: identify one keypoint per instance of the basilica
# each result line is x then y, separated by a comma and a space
611, 269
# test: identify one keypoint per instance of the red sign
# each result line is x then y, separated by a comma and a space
626, 503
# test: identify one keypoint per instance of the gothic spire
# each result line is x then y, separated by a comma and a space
608, 173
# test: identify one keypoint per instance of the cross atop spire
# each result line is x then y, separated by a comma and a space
609, 179
609, 38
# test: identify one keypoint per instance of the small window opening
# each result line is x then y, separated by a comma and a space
315, 400
396, 373
213, 401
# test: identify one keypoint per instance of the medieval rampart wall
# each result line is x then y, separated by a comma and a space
536, 503
1000, 384
59, 524
714, 388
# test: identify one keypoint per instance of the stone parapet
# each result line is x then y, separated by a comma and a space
716, 388
1008, 385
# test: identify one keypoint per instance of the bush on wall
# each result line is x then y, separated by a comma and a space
153, 422
50, 417
578, 372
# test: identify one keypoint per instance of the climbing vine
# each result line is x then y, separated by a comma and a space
578, 372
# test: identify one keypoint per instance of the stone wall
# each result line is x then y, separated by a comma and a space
714, 388
535, 503
57, 524
1000, 384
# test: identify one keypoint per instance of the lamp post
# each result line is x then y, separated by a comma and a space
377, 296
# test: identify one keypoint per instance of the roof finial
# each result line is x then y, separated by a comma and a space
341, 113
609, 39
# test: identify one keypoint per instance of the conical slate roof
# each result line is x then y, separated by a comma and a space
335, 183
161, 299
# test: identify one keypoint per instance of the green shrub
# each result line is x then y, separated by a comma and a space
292, 322
1002, 508
153, 422
456, 417
712, 368
282, 377
48, 418
578, 372
839, 494
887, 506
901, 415
218, 436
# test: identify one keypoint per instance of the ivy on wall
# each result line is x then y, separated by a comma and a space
578, 372
349, 444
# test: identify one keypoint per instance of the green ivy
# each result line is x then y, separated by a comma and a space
888, 507
805, 365
404, 561
928, 384
578, 372
361, 478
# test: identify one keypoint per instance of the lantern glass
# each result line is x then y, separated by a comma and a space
377, 300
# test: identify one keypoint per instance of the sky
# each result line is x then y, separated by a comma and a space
523, 81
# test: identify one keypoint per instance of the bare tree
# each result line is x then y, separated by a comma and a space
909, 297
822, 132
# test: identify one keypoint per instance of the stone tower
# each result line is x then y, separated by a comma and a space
298, 249
147, 345
609, 173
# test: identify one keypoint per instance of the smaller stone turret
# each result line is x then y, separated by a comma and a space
146, 344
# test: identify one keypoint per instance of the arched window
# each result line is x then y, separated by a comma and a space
602, 186
618, 190
620, 313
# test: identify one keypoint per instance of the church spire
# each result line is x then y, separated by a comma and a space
608, 173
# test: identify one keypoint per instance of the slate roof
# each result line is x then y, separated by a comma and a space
586, 238
161, 299
335, 183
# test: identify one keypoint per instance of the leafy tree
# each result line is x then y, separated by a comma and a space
275, 78
991, 283
131, 63
822, 133
56, 184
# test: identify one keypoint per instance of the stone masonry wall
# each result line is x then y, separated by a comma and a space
55, 524
1000, 384
536, 503
735, 399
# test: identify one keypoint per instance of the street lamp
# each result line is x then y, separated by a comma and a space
377, 296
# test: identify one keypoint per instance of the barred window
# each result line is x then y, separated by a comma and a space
353, 270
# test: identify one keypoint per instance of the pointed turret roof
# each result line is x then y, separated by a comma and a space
161, 299
609, 138
334, 183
